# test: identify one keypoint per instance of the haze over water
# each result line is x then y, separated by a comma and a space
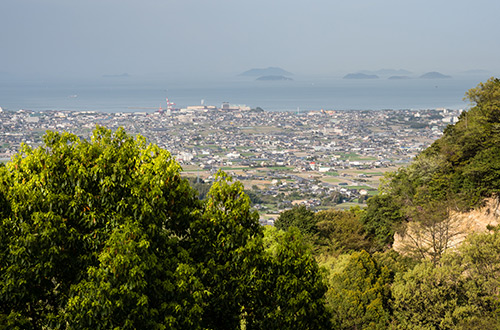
56, 52
303, 94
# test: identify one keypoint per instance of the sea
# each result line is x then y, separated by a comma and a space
130, 94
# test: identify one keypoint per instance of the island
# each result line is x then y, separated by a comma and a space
274, 78
270, 71
388, 72
398, 77
360, 76
434, 75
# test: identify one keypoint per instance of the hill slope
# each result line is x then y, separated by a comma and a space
456, 174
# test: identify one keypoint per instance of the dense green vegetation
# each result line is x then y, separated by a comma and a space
106, 234
430, 286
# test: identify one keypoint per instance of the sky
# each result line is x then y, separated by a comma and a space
76, 38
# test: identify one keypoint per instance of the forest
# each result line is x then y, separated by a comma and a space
106, 234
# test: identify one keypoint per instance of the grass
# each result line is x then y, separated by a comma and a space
354, 156
279, 168
332, 173
348, 205
331, 180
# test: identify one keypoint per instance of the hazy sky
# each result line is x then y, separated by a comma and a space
200, 37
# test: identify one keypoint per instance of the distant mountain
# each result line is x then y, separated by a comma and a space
360, 76
271, 71
388, 72
434, 75
273, 78
398, 77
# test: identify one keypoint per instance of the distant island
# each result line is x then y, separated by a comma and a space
360, 76
398, 77
434, 75
271, 71
273, 78
387, 72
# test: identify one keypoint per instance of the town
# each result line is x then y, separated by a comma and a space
321, 159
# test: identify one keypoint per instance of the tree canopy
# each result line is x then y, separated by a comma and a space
106, 234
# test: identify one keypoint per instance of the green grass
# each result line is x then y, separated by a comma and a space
280, 168
331, 180
374, 173
229, 168
354, 156
332, 173
348, 205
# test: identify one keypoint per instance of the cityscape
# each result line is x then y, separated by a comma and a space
320, 159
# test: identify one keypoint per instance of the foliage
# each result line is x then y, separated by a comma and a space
463, 162
340, 231
459, 291
200, 186
106, 234
380, 220
359, 293
430, 297
456, 173
96, 227
222, 251
479, 260
292, 286
300, 217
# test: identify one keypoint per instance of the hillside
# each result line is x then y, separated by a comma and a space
448, 184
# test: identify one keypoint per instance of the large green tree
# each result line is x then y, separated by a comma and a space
340, 230
106, 234
359, 292
95, 235
226, 248
300, 217
290, 290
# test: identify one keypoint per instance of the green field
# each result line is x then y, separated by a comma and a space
354, 156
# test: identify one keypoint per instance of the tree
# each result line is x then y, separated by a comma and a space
432, 230
340, 230
479, 261
430, 297
291, 291
96, 235
106, 234
380, 220
298, 216
459, 292
359, 293
225, 246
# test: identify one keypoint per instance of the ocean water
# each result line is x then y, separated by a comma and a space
127, 94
